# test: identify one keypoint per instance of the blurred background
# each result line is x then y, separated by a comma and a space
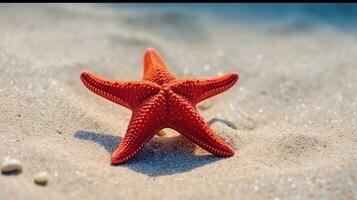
297, 15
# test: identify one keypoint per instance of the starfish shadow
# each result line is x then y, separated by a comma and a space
160, 156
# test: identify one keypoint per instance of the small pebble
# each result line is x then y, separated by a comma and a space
41, 178
226, 122
161, 133
11, 166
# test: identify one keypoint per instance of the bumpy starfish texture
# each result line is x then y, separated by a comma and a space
160, 100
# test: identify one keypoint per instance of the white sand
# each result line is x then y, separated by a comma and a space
295, 106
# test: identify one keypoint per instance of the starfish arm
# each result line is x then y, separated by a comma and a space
155, 69
190, 124
197, 90
126, 93
145, 122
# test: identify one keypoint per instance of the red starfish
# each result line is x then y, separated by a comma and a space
162, 101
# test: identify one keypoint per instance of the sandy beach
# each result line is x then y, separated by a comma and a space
294, 108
